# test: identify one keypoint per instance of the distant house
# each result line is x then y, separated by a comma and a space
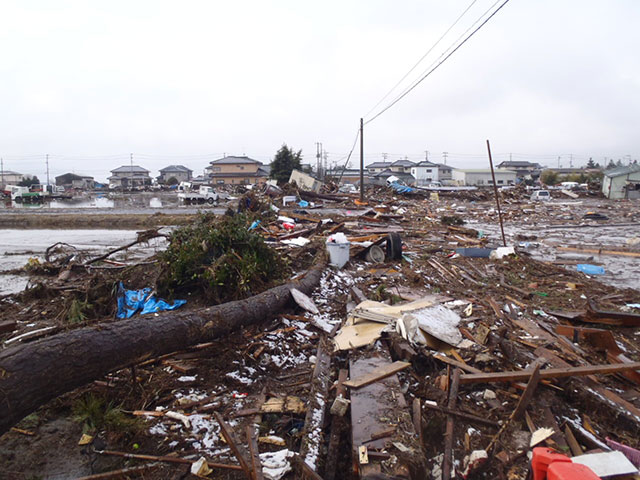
377, 167
445, 172
7, 177
71, 180
482, 177
622, 182
381, 178
402, 166
523, 169
179, 172
129, 176
425, 173
237, 170
348, 175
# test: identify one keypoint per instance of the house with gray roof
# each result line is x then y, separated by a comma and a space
238, 170
622, 182
402, 166
179, 172
129, 176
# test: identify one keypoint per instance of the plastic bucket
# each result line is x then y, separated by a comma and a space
338, 253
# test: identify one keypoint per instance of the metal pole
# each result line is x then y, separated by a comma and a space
47, 170
361, 161
495, 191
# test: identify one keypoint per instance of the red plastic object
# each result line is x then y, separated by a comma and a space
542, 458
570, 471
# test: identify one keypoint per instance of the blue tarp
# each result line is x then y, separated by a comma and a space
401, 188
590, 269
132, 301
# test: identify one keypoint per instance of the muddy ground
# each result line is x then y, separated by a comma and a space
510, 298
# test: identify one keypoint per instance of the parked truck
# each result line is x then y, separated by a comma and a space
24, 194
205, 194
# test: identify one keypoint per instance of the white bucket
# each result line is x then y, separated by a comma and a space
338, 253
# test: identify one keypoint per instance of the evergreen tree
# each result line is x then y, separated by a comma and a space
591, 163
611, 164
285, 161
28, 181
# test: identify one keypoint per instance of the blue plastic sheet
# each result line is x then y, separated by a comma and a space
144, 301
401, 188
590, 269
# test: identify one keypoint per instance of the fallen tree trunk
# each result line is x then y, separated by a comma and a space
34, 373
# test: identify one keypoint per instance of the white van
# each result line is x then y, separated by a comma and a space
540, 196
570, 185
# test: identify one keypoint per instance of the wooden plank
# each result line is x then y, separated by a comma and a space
254, 453
447, 462
575, 447
337, 426
515, 376
8, 326
464, 415
237, 449
378, 374
598, 251
417, 419
455, 363
527, 395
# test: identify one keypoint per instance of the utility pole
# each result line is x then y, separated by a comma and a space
426, 155
445, 154
384, 157
495, 191
325, 154
361, 161
559, 160
131, 172
510, 157
319, 160
571, 160
2, 172
47, 160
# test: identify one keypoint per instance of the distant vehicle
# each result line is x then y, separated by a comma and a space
570, 185
184, 187
205, 194
540, 196
24, 195
434, 185
348, 188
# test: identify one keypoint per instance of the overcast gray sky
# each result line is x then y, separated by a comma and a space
184, 82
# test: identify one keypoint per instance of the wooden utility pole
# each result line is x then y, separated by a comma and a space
361, 161
495, 191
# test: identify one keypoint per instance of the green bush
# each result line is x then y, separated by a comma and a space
220, 257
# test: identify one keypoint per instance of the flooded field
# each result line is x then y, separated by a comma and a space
17, 246
620, 271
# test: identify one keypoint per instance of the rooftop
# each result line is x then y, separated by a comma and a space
426, 163
176, 168
485, 170
379, 165
519, 164
403, 163
618, 171
130, 169
235, 160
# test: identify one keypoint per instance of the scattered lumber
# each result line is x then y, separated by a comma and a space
378, 374
34, 373
547, 373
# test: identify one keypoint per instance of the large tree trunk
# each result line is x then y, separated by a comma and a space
33, 374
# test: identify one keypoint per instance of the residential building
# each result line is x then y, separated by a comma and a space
445, 174
381, 177
402, 166
425, 173
7, 177
71, 180
305, 181
129, 176
482, 177
239, 170
179, 172
377, 167
523, 169
348, 175
622, 182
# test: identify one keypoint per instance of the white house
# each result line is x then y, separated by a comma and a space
482, 177
425, 173
7, 177
622, 182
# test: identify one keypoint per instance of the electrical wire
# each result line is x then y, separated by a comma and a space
406, 92
349, 156
421, 58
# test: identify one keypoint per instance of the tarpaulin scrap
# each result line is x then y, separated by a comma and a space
145, 301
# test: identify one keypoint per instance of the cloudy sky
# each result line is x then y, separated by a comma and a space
185, 82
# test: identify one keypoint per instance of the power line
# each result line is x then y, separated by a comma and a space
422, 58
406, 92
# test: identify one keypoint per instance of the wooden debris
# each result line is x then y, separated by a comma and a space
447, 461
254, 453
378, 374
547, 373
457, 413
122, 473
165, 459
237, 448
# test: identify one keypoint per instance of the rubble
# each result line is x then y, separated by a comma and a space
441, 351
